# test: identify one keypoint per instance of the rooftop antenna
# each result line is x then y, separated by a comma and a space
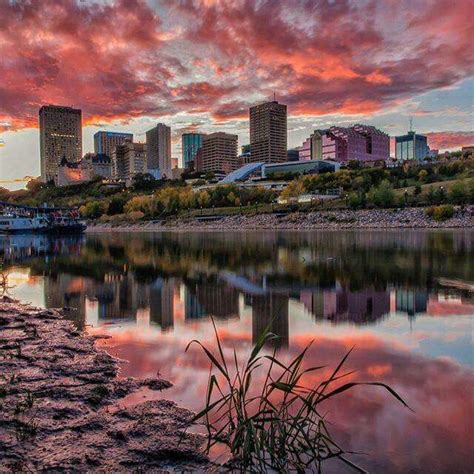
411, 124
274, 96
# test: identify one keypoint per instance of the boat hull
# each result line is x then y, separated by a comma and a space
56, 230
62, 230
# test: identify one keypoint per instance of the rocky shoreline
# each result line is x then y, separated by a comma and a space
60, 404
321, 220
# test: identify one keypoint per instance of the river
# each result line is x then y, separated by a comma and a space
403, 299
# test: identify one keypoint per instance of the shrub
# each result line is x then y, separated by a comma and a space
382, 195
356, 200
422, 175
116, 205
471, 190
135, 215
457, 193
143, 204
440, 213
92, 210
144, 182
294, 189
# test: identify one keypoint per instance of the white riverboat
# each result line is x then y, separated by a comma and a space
15, 218
11, 223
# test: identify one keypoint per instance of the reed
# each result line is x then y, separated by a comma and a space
278, 425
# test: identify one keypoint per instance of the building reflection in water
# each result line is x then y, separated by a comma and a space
161, 303
342, 289
411, 302
270, 313
341, 305
126, 275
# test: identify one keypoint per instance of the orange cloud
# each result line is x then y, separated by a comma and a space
120, 60
448, 140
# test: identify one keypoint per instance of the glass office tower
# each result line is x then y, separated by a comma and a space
191, 142
411, 147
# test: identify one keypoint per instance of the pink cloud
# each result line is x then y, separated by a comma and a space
124, 59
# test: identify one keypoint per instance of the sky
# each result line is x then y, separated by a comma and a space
198, 66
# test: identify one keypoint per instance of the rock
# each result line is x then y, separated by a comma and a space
58, 396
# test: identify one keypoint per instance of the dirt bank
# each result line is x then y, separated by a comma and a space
60, 410
321, 220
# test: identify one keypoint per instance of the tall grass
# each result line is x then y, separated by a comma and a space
277, 425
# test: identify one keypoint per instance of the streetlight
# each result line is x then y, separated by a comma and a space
256, 206
441, 192
201, 210
406, 197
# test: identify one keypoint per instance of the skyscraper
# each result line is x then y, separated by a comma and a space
219, 152
128, 160
105, 142
411, 146
158, 148
268, 133
60, 137
191, 142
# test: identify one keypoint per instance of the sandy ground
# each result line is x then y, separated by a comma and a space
59, 405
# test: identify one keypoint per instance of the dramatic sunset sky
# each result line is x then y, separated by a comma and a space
199, 65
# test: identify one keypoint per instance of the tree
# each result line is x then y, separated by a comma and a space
422, 175
471, 190
294, 189
34, 185
117, 204
382, 195
92, 210
143, 182
203, 198
356, 200
139, 203
231, 198
354, 165
458, 193
431, 196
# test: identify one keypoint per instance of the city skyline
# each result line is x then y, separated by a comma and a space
155, 71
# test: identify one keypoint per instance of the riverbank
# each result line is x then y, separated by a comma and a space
321, 220
60, 404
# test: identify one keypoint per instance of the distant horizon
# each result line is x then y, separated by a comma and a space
199, 65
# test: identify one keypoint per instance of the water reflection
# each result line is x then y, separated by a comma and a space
404, 299
357, 278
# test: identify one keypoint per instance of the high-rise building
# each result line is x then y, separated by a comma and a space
363, 143
190, 143
158, 148
411, 146
219, 152
99, 164
268, 133
244, 156
105, 142
60, 137
293, 154
305, 152
128, 160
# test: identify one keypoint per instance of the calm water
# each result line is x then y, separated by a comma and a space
402, 298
